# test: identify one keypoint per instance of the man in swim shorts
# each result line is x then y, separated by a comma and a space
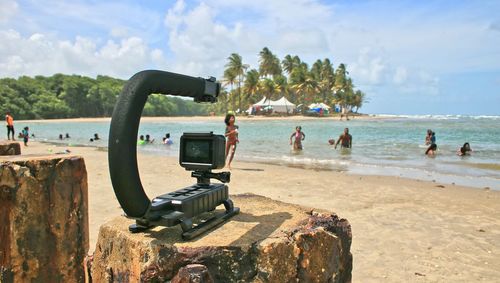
345, 140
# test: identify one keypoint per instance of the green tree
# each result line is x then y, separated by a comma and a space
251, 85
289, 63
267, 87
327, 81
236, 67
269, 64
50, 107
358, 100
229, 79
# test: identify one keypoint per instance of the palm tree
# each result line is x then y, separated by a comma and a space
236, 66
268, 88
288, 64
298, 77
327, 80
316, 69
281, 85
358, 99
344, 96
269, 64
251, 85
229, 79
306, 86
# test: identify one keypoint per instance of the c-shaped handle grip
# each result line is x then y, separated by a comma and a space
122, 145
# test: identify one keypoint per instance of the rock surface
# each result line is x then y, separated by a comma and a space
269, 241
10, 148
43, 219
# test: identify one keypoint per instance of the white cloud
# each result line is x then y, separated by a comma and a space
369, 68
199, 43
8, 9
400, 75
119, 32
41, 55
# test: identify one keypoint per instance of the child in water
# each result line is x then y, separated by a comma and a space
464, 150
232, 136
299, 137
25, 133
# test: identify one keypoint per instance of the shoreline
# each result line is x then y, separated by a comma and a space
447, 233
364, 117
358, 169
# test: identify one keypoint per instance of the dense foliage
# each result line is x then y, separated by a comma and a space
64, 96
301, 85
70, 96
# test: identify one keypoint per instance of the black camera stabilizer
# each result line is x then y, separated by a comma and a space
178, 207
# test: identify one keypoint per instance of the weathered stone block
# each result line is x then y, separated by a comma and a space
10, 148
43, 219
269, 241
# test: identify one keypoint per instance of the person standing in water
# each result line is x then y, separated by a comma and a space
232, 137
299, 137
345, 140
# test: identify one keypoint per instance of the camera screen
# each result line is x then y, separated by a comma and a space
198, 151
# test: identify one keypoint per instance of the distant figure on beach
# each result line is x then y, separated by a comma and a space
61, 137
67, 136
344, 112
10, 125
464, 150
298, 136
141, 140
431, 150
428, 137
167, 139
148, 139
345, 140
96, 137
26, 135
232, 137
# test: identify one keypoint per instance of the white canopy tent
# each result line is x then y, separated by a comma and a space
263, 102
282, 105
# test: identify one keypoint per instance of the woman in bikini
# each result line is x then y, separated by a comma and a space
299, 137
232, 137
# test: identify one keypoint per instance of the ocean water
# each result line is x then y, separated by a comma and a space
392, 146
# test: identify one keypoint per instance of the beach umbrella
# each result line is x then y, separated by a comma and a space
322, 105
313, 105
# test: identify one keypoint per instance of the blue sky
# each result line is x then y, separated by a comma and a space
410, 57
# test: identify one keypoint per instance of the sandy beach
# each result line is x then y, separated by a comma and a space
403, 230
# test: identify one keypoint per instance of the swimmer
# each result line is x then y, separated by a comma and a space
167, 140
464, 150
141, 140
